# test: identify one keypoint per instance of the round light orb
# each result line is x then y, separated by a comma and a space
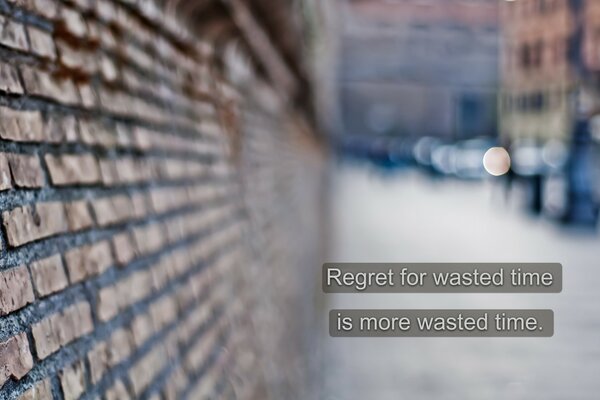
496, 161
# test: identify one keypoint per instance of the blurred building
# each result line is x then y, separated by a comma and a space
549, 47
420, 67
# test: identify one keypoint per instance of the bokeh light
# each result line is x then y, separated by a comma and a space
496, 161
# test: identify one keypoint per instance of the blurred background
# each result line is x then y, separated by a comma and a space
465, 131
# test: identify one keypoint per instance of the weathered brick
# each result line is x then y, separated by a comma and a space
12, 34
45, 337
15, 358
49, 275
62, 328
20, 125
111, 210
42, 83
149, 238
134, 288
74, 322
60, 129
83, 313
107, 303
109, 172
74, 22
163, 312
93, 132
89, 99
140, 207
161, 273
9, 79
72, 381
16, 290
26, 170
75, 58
5, 180
40, 391
108, 69
98, 361
123, 247
73, 169
89, 260
41, 42
29, 223
141, 329
105, 9
144, 371
127, 171
78, 215
119, 347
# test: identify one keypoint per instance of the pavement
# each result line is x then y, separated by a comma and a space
408, 217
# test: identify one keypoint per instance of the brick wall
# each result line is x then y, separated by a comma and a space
159, 211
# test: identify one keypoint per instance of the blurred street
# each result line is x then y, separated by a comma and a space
409, 217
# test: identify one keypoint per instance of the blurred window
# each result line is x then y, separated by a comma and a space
537, 101
532, 55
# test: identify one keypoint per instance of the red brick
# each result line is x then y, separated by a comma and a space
73, 169
89, 260
163, 312
20, 125
12, 34
98, 361
123, 247
78, 215
119, 347
15, 358
72, 381
83, 314
5, 180
74, 22
62, 328
111, 210
45, 336
93, 132
107, 303
60, 128
41, 43
134, 288
144, 371
87, 94
42, 83
26, 170
26, 224
16, 290
141, 329
9, 79
49, 275
149, 238
140, 205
